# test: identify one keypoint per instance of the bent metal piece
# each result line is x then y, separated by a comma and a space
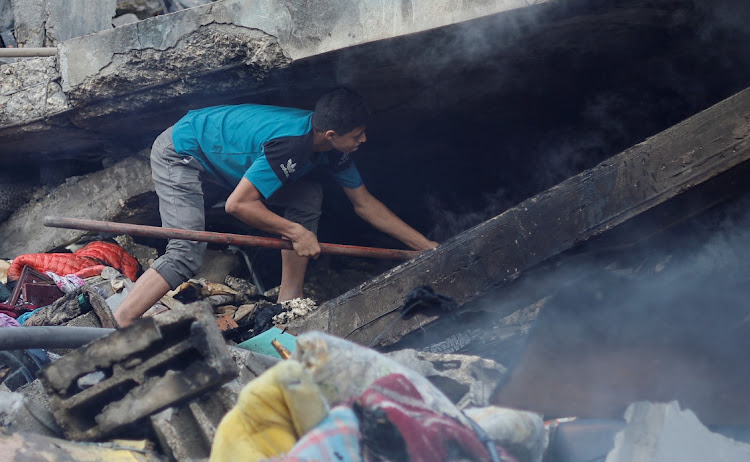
221, 238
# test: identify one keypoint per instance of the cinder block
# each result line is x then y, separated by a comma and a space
135, 372
186, 431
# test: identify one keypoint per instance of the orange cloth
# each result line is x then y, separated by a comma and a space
85, 262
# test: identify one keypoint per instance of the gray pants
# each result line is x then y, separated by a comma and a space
177, 180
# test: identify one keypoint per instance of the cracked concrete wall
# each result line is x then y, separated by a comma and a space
29, 16
47, 22
30, 89
69, 19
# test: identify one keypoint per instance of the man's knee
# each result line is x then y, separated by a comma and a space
180, 262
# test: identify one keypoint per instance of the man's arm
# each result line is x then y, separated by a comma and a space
245, 204
370, 209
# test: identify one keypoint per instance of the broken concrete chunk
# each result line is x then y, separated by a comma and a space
144, 254
128, 18
29, 90
242, 286
466, 380
344, 369
186, 431
294, 309
661, 432
141, 8
19, 414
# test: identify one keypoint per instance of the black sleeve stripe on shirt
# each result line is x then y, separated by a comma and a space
287, 154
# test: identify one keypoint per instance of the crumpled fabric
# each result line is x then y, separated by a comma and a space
63, 309
66, 283
344, 370
85, 262
396, 424
22, 319
14, 311
272, 413
335, 439
7, 321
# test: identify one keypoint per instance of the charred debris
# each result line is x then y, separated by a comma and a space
583, 164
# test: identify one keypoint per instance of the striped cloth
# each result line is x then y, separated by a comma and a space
334, 439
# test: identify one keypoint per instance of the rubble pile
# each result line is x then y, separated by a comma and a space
189, 382
181, 384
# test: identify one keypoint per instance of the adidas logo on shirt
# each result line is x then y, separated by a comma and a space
289, 168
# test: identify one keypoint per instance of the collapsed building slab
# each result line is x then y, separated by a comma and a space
103, 194
496, 252
213, 53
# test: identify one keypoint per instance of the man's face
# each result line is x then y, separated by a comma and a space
348, 142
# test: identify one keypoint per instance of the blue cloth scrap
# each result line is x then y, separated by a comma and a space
335, 439
21, 319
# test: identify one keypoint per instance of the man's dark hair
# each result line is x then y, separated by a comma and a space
341, 110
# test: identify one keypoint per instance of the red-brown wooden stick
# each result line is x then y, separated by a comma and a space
220, 238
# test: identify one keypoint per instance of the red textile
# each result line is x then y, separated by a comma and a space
85, 262
16, 311
428, 436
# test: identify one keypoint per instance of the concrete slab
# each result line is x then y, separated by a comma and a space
299, 30
101, 195
30, 89
212, 53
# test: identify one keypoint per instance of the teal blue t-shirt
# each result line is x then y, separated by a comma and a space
269, 145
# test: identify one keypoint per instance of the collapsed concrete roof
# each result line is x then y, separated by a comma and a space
141, 75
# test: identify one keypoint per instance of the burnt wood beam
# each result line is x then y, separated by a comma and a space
496, 252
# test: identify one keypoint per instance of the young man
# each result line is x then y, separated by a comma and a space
261, 153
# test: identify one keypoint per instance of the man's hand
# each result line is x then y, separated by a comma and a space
306, 244
429, 245
245, 203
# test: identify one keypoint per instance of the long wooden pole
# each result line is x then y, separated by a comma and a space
220, 238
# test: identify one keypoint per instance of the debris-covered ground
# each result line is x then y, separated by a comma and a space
212, 372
